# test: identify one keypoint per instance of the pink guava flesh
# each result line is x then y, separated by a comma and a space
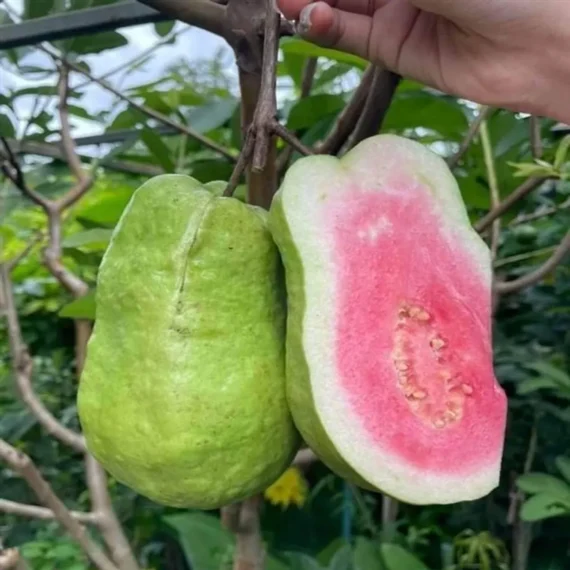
412, 342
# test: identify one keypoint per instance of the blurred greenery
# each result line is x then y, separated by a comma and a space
337, 527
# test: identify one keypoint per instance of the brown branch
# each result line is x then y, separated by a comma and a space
12, 170
249, 553
42, 513
290, 138
484, 113
534, 277
344, 123
266, 110
24, 466
241, 164
84, 182
22, 367
10, 559
205, 14
304, 458
144, 109
524, 189
378, 100
108, 522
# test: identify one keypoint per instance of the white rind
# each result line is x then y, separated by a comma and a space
305, 186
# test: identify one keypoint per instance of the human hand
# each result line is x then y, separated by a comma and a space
504, 53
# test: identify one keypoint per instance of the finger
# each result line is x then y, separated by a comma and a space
330, 27
291, 9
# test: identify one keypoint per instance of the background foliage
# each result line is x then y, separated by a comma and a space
332, 526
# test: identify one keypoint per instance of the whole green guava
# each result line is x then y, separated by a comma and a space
182, 397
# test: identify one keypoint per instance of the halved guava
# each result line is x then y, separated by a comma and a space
389, 358
182, 397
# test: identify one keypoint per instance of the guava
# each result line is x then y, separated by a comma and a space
182, 397
388, 350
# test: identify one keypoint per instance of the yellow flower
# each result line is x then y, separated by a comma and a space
291, 487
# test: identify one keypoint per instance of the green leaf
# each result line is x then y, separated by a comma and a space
164, 28
551, 371
94, 237
367, 555
306, 112
211, 170
82, 308
107, 211
543, 506
397, 558
6, 127
301, 561
204, 541
342, 559
533, 384
212, 115
415, 109
158, 149
37, 8
563, 465
301, 47
96, 43
543, 483
562, 152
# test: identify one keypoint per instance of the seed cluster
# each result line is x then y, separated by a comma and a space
438, 401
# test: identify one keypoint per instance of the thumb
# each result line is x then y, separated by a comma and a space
334, 28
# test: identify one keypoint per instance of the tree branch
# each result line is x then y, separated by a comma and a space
534, 277
84, 182
11, 169
24, 466
250, 553
290, 138
347, 117
42, 513
22, 367
525, 218
484, 113
382, 88
108, 522
525, 188
210, 16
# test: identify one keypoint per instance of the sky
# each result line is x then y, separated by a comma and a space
193, 44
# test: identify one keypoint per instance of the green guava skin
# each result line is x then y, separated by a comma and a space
299, 392
182, 397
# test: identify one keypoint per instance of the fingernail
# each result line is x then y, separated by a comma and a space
304, 24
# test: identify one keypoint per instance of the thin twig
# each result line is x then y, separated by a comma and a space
42, 513
144, 109
534, 277
25, 467
22, 366
523, 190
523, 256
11, 168
14, 262
241, 164
493, 185
290, 138
84, 182
344, 123
525, 218
484, 112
